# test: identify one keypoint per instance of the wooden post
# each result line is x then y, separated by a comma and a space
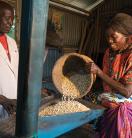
32, 45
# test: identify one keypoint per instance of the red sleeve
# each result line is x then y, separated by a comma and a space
106, 69
105, 62
127, 77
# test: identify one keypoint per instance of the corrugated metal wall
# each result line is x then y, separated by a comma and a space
71, 26
71, 34
52, 56
112, 6
12, 2
71, 30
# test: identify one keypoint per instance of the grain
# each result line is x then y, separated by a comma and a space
76, 85
63, 107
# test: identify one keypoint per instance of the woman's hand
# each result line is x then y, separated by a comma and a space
91, 67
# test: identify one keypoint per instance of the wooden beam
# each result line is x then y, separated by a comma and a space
32, 47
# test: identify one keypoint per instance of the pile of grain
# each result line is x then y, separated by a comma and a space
73, 87
63, 107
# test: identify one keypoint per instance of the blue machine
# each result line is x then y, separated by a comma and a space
56, 125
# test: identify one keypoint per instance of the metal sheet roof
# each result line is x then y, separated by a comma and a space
77, 5
83, 4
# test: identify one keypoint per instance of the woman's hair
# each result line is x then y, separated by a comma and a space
121, 23
5, 5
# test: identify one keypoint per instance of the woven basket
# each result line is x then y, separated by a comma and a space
65, 67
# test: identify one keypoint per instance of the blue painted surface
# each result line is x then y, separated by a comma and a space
53, 126
32, 46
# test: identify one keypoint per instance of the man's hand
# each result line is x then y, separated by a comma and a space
8, 104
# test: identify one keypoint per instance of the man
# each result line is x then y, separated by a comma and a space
8, 62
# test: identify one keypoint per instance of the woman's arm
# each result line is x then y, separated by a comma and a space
125, 90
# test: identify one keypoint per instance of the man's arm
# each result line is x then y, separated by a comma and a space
8, 104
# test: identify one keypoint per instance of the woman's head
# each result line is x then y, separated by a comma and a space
6, 17
119, 31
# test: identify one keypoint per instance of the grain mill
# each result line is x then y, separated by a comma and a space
69, 111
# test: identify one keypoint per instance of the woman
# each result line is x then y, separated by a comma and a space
117, 79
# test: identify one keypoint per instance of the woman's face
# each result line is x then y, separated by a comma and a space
116, 40
6, 21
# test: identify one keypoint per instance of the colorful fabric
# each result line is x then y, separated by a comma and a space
117, 121
118, 66
113, 97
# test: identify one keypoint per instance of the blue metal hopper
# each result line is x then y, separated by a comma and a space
56, 125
